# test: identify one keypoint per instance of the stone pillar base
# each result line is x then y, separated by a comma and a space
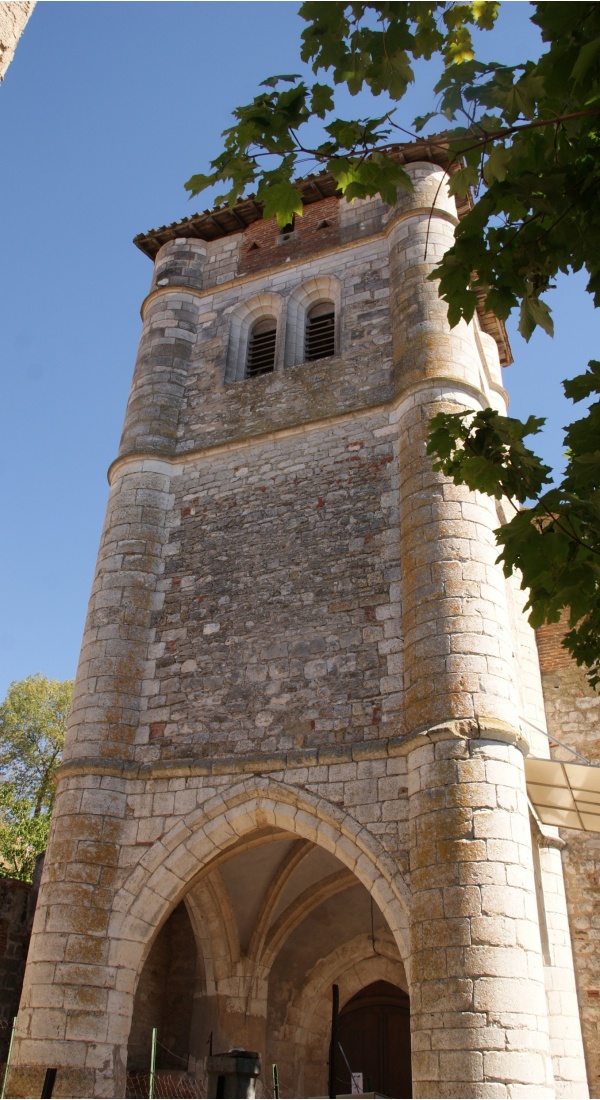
71, 1081
233, 1074
478, 1004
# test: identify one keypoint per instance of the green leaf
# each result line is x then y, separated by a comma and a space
421, 121
392, 75
588, 55
463, 180
584, 385
460, 48
282, 200
322, 100
497, 164
533, 313
198, 183
486, 451
485, 13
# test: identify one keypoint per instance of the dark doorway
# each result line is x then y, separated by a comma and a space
374, 1030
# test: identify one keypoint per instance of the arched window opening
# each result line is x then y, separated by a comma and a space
261, 348
319, 340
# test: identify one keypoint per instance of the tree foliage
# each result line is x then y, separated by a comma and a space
32, 730
525, 141
555, 543
23, 837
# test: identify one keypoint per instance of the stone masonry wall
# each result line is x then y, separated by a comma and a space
163, 997
15, 928
573, 713
279, 625
288, 606
196, 328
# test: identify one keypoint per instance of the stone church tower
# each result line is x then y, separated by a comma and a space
295, 755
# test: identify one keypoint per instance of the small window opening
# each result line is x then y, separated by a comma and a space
320, 332
324, 224
261, 348
287, 231
253, 247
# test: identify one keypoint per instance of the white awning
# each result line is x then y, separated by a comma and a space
564, 794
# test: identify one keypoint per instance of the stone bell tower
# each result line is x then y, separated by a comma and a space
295, 755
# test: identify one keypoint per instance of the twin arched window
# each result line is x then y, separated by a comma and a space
308, 317
319, 340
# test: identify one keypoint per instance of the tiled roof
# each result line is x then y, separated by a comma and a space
224, 220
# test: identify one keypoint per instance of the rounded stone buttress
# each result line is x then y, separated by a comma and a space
478, 1006
72, 1004
169, 334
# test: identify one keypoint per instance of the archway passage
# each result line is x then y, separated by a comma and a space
248, 956
374, 1034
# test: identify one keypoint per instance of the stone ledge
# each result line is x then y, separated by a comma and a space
176, 463
460, 729
324, 755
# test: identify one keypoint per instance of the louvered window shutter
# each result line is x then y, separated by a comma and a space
261, 348
320, 332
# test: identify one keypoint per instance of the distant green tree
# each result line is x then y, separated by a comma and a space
32, 731
23, 836
525, 141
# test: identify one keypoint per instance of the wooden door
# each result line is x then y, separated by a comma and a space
374, 1033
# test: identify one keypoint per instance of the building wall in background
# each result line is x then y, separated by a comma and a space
573, 715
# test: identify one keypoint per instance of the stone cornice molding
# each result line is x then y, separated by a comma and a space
176, 462
466, 729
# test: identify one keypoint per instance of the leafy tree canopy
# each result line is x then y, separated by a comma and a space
23, 837
32, 730
525, 141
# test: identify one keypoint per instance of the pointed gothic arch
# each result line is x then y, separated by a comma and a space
174, 862
351, 967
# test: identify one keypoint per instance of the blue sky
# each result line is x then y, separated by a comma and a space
106, 109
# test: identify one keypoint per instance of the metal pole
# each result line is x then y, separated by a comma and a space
275, 1082
8, 1057
49, 1082
335, 1012
152, 1065
352, 1075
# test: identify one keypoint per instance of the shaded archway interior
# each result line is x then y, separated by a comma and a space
248, 958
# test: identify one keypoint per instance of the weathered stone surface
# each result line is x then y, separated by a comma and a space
573, 711
294, 757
